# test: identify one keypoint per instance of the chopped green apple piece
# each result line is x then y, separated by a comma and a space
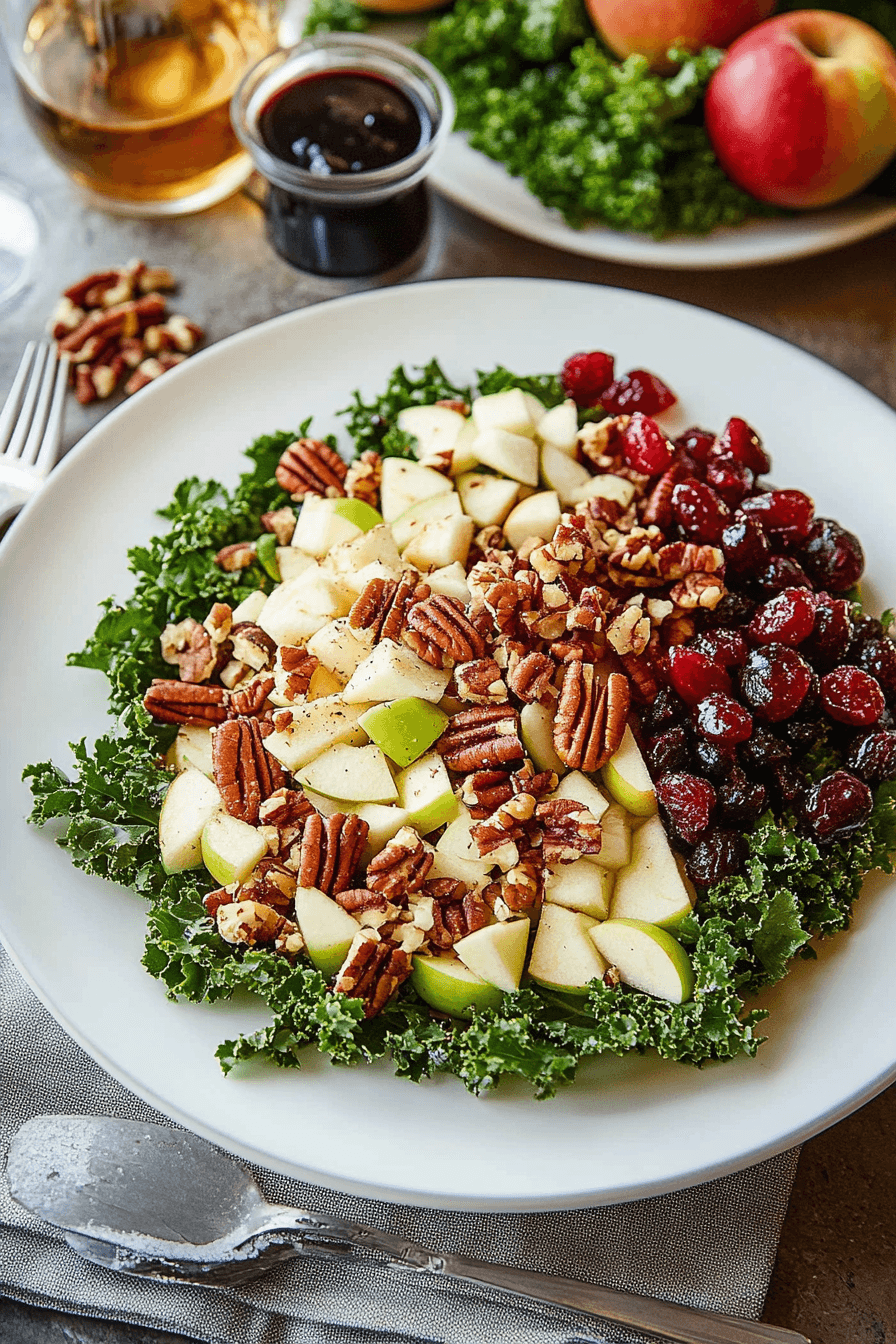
301, 606
512, 455
191, 747
291, 563
356, 774
559, 427
316, 725
392, 672
537, 732
563, 956
231, 848
328, 930
581, 886
450, 581
357, 511
462, 456
646, 957
535, 406
324, 684
424, 789
508, 411
606, 486
456, 841
384, 820
404, 729
436, 428
405, 483
432, 510
266, 551
319, 527
628, 779
536, 516
450, 987
615, 839
474, 872
440, 543
497, 953
651, 888
563, 473
340, 648
486, 499
250, 607
579, 789
192, 798
377, 545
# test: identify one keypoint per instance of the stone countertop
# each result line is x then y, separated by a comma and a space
834, 1279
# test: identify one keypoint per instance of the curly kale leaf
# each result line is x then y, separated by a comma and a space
372, 424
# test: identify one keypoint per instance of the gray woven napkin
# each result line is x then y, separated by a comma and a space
711, 1246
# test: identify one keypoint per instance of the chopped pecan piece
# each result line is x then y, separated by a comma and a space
245, 772
329, 851
530, 677
359, 899
590, 718
698, 590
238, 556
384, 604
629, 631
252, 645
189, 647
373, 971
213, 900
480, 682
272, 883
250, 700
362, 480
681, 558
254, 924
218, 622
401, 867
285, 807
480, 738
293, 670
484, 790
508, 823
183, 702
311, 467
282, 522
570, 831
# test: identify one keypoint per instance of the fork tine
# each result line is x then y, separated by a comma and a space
10, 413
19, 434
47, 428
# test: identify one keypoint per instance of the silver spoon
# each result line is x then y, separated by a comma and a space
159, 1202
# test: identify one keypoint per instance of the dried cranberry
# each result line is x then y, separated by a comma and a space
788, 781
666, 710
637, 391
878, 656
852, 696
720, 854
645, 446
699, 512
746, 547
670, 752
729, 478
696, 443
764, 749
723, 719
745, 445
735, 609
741, 801
873, 757
787, 618
831, 632
865, 628
712, 759
781, 572
832, 556
727, 647
786, 515
687, 802
775, 681
836, 806
585, 376
693, 675
802, 734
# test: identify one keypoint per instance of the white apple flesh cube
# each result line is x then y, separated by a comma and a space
231, 848
323, 684
392, 672
250, 607
628, 779
578, 788
559, 427
512, 455
327, 929
291, 563
432, 510
537, 516
405, 483
404, 729
537, 732
191, 747
486, 499
353, 774
191, 800
424, 789
299, 607
497, 953
562, 473
508, 410
359, 512
456, 841
651, 888
581, 886
376, 545
450, 581
646, 957
316, 725
474, 872
319, 526
385, 820
462, 456
440, 543
563, 956
615, 839
435, 428
451, 987
340, 648
606, 486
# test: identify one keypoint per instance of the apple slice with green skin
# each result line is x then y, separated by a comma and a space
340, 648
432, 510
647, 958
559, 427
352, 774
404, 729
651, 888
435, 428
628, 779
384, 820
393, 672
563, 955
507, 410
486, 499
302, 605
581, 886
319, 527
440, 543
537, 732
316, 725
450, 581
328, 930
250, 607
606, 486
450, 987
192, 798
266, 551
562, 473
497, 953
462, 456
359, 512
578, 787
191, 747
615, 839
405, 483
536, 516
231, 848
291, 562
424, 789
512, 455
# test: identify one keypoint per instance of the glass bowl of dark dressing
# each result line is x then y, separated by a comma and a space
343, 128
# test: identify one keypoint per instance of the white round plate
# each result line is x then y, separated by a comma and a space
628, 1127
481, 185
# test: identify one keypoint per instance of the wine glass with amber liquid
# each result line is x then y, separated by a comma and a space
132, 96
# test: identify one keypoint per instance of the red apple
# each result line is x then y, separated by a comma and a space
651, 27
802, 111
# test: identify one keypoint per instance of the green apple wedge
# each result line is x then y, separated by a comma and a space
425, 791
357, 511
192, 746
440, 543
405, 483
510, 410
562, 473
405, 728
191, 799
316, 725
355, 774
497, 953
652, 887
559, 427
319, 526
393, 672
512, 455
450, 987
537, 732
615, 838
536, 516
432, 510
581, 886
579, 788
486, 499
231, 848
563, 955
647, 958
328, 930
628, 779
436, 428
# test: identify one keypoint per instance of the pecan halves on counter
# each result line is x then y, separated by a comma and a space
443, 622
384, 604
590, 717
372, 971
311, 467
183, 702
401, 867
245, 772
481, 738
328, 854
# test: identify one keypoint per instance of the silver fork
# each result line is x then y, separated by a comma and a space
31, 426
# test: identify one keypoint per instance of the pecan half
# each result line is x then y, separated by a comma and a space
329, 851
480, 738
480, 682
311, 467
384, 604
282, 522
248, 701
372, 971
362, 480
245, 772
401, 867
238, 556
590, 718
358, 899
530, 677
189, 647
252, 645
183, 702
255, 924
